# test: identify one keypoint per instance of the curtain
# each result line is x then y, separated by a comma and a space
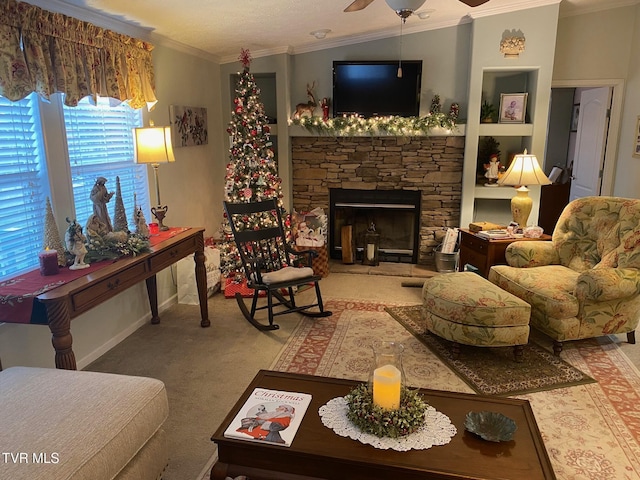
48, 52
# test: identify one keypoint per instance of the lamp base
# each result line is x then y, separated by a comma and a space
159, 212
521, 206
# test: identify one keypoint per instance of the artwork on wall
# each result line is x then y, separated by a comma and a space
189, 126
512, 107
636, 140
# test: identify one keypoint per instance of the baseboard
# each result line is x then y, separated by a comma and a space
113, 341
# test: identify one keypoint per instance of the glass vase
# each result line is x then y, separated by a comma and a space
387, 374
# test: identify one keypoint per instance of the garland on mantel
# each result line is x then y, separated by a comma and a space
352, 125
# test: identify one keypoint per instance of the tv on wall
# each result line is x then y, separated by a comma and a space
372, 88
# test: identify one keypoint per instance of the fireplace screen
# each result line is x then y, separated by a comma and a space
395, 215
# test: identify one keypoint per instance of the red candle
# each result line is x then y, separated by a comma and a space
154, 228
48, 262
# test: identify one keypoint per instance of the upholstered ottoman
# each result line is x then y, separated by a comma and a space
63, 424
467, 309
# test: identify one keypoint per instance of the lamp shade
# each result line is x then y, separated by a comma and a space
524, 170
153, 145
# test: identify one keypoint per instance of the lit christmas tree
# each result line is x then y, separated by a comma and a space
252, 173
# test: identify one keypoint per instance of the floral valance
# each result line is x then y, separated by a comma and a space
48, 52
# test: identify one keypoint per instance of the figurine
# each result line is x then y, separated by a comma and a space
75, 240
306, 108
492, 170
100, 197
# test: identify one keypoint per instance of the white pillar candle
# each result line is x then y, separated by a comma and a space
370, 249
386, 387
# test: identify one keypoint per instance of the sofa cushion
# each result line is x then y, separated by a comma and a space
549, 288
94, 423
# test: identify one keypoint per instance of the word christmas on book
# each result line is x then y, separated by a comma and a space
269, 416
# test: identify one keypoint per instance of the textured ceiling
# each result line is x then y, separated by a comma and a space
222, 27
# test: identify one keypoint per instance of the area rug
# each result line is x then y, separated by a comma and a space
493, 371
591, 431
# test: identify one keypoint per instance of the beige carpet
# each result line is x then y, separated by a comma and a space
590, 431
206, 370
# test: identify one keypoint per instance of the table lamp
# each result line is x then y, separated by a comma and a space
524, 170
153, 145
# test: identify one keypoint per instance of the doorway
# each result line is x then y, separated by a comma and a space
565, 124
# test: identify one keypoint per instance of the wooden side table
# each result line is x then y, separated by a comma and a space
483, 253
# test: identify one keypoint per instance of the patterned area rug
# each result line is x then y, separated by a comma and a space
493, 371
591, 431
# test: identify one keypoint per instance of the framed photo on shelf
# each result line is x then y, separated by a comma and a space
574, 117
512, 107
636, 142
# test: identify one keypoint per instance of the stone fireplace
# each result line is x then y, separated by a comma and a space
429, 165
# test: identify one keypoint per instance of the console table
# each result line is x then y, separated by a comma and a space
67, 301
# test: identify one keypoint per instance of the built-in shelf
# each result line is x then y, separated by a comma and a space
502, 192
506, 129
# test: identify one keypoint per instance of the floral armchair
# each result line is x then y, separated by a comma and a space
585, 282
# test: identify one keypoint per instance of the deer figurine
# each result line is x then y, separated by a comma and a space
309, 107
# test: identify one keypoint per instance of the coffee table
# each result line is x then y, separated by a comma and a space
317, 452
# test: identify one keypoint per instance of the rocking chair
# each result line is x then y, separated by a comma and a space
269, 261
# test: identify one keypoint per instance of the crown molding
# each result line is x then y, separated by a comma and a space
266, 52
522, 5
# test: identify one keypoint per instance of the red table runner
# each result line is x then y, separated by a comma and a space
17, 294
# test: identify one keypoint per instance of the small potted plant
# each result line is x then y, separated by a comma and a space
487, 111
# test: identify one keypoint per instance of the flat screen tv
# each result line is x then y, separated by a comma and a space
372, 88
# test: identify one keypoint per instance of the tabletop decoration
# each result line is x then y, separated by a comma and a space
490, 426
382, 422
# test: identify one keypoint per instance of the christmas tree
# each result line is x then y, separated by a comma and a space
119, 215
52, 240
252, 173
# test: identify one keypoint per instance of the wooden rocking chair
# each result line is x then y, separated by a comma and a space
269, 261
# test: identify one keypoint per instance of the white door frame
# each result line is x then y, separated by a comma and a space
615, 120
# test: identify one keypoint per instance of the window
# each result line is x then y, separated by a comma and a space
23, 185
99, 143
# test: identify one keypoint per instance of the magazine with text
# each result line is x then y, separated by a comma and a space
269, 416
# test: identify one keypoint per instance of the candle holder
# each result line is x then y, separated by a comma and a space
386, 377
384, 406
371, 418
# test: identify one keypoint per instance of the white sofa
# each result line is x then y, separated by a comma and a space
63, 424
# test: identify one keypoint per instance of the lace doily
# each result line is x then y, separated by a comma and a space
437, 429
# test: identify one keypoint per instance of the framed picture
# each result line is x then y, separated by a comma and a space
574, 117
188, 126
636, 143
512, 107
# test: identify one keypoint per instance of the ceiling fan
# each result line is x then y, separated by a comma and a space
407, 7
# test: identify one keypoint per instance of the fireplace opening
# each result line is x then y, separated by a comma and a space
395, 214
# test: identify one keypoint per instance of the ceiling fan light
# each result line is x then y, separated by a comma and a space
404, 8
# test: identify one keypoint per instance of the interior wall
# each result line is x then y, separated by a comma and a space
601, 46
190, 187
445, 64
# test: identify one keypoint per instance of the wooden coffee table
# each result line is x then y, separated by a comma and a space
317, 452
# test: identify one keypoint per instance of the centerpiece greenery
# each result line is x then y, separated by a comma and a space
115, 245
351, 125
373, 419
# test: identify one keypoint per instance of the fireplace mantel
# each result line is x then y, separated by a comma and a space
458, 131
431, 165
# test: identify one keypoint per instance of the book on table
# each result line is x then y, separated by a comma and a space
269, 416
494, 234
